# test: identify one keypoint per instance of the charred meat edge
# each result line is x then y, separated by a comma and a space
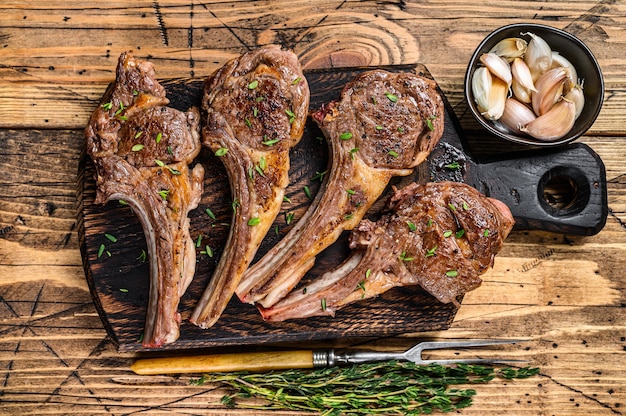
384, 125
255, 109
122, 141
441, 236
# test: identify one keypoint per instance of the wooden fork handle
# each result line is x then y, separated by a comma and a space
215, 363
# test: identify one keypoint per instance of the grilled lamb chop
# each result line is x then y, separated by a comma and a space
384, 125
141, 151
256, 108
441, 236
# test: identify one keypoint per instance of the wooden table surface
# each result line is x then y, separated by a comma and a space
564, 293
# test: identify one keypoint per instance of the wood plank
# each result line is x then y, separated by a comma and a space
56, 58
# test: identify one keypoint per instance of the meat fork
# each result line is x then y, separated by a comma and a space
282, 360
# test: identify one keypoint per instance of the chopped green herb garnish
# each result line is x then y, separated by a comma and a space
411, 226
143, 256
247, 121
292, 116
319, 175
199, 240
137, 147
270, 142
323, 304
393, 153
208, 251
289, 216
393, 98
307, 192
111, 238
255, 111
346, 135
158, 138
101, 250
465, 206
286, 199
447, 234
254, 221
431, 252
107, 106
210, 213
452, 273
486, 233
221, 151
452, 206
296, 81
404, 257
453, 165
460, 233
353, 151
429, 123
253, 84
164, 193
122, 202
123, 290
379, 127
350, 191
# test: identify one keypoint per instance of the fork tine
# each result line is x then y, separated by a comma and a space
476, 361
438, 345
414, 353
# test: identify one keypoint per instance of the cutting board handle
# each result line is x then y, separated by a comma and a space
563, 190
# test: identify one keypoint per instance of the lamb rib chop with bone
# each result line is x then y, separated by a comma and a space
141, 150
384, 125
255, 110
441, 236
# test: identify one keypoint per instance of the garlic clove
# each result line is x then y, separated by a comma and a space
521, 72
559, 60
497, 98
497, 66
516, 115
554, 124
481, 85
576, 96
520, 92
549, 90
510, 48
538, 55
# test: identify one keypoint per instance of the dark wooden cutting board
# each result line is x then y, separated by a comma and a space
119, 279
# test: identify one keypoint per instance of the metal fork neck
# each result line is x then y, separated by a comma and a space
331, 358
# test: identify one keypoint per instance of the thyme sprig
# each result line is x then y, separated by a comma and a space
389, 387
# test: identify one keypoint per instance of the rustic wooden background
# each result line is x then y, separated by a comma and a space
564, 293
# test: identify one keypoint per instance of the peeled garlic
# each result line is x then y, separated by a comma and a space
510, 48
497, 66
520, 92
516, 115
521, 72
538, 55
554, 124
481, 85
497, 98
576, 96
549, 90
560, 60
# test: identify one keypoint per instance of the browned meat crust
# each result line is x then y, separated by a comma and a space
384, 125
255, 109
141, 151
441, 236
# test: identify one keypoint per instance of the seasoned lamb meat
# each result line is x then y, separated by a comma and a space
384, 125
441, 236
141, 150
255, 109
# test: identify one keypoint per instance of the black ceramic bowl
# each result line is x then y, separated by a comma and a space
565, 44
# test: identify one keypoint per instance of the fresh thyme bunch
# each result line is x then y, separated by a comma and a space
388, 387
